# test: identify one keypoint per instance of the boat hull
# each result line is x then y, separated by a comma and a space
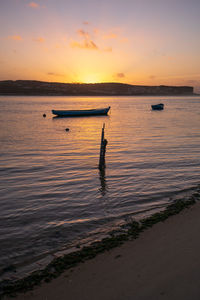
80, 113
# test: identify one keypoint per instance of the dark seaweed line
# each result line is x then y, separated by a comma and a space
59, 265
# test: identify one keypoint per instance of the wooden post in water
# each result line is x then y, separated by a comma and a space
102, 150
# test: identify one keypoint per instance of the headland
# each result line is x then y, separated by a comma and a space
42, 88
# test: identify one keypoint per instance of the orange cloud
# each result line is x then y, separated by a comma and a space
120, 75
87, 40
96, 31
86, 44
86, 23
55, 74
108, 49
83, 33
124, 40
110, 36
193, 82
33, 5
39, 40
15, 38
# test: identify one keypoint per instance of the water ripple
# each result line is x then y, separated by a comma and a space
52, 193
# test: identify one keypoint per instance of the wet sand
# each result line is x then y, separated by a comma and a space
163, 263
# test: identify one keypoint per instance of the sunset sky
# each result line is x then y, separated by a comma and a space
149, 42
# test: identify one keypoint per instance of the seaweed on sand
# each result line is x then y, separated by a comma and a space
59, 265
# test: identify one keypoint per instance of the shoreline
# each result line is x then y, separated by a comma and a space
103, 95
33, 87
67, 262
16, 271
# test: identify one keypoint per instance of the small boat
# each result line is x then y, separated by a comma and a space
80, 113
159, 106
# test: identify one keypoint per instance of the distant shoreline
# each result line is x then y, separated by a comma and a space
46, 95
42, 88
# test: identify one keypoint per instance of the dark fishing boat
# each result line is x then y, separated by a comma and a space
159, 106
80, 113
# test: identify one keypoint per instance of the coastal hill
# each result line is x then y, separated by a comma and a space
34, 88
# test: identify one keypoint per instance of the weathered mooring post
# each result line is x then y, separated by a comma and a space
102, 150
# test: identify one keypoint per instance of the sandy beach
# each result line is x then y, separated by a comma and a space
163, 263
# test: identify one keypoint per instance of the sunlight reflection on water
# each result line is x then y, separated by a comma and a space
52, 192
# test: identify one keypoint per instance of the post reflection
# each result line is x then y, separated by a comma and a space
102, 177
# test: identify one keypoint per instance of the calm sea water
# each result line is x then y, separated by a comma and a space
52, 194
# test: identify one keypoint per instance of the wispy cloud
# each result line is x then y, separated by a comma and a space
39, 40
55, 74
120, 75
152, 77
83, 33
94, 38
193, 82
124, 40
33, 5
15, 37
85, 43
108, 49
110, 36
96, 31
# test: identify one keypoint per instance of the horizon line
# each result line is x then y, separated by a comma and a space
90, 83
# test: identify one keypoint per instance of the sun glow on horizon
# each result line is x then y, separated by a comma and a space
95, 45
91, 78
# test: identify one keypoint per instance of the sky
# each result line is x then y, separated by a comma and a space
147, 42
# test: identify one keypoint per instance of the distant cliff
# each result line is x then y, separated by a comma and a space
34, 88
